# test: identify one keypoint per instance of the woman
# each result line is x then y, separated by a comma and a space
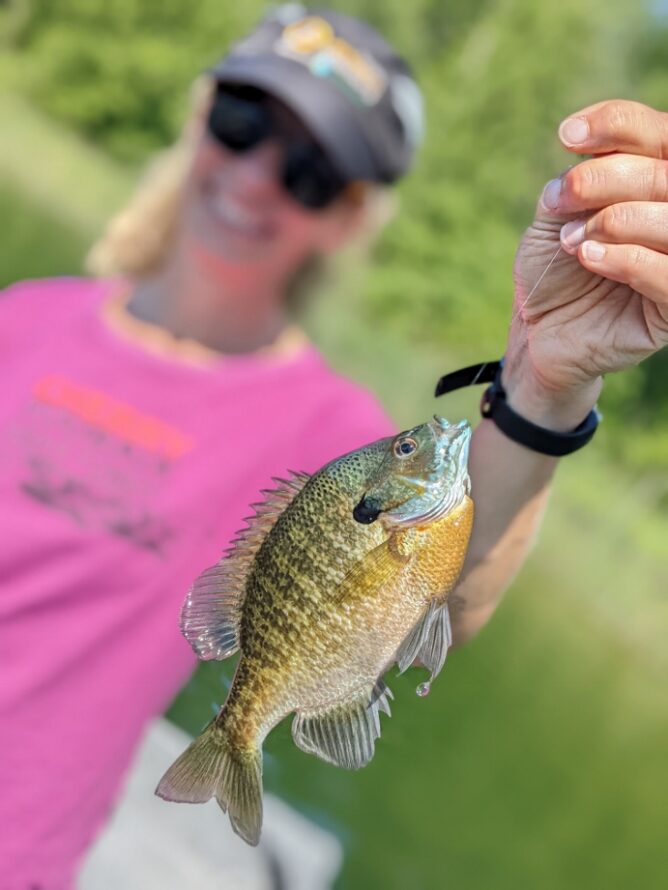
147, 410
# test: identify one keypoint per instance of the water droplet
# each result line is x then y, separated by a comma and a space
423, 689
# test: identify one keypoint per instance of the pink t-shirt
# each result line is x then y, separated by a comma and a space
123, 474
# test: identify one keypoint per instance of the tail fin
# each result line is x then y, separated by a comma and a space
211, 767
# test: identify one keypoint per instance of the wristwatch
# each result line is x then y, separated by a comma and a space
494, 406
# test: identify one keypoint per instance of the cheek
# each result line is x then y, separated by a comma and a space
303, 231
209, 158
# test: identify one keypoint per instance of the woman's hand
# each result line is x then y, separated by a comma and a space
603, 304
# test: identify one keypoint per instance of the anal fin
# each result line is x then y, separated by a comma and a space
345, 734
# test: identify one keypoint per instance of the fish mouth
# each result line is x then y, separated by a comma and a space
456, 438
444, 493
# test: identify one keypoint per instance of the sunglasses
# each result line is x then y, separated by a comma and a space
241, 119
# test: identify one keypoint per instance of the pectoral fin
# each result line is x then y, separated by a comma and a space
379, 567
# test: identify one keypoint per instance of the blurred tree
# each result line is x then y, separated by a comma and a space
119, 72
494, 101
640, 399
497, 76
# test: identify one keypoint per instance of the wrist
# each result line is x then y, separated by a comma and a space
562, 436
552, 409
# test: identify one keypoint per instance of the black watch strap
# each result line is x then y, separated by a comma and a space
495, 407
474, 374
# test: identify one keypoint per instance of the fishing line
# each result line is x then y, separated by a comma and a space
479, 374
533, 289
482, 367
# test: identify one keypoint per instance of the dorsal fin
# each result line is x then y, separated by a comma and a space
211, 612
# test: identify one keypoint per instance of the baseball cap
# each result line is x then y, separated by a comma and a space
355, 94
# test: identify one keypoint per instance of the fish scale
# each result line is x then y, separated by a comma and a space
337, 577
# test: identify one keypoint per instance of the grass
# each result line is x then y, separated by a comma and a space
68, 178
538, 760
30, 250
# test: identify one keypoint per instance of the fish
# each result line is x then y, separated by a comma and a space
336, 577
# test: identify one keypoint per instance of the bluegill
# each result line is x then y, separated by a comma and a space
338, 576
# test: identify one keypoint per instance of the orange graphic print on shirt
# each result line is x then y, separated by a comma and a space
99, 460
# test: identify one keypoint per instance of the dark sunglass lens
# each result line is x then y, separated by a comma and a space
237, 123
310, 178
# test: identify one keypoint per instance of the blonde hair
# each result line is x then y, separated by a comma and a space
137, 240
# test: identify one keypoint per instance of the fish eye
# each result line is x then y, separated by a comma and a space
404, 447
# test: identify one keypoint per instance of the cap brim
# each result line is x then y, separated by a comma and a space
323, 109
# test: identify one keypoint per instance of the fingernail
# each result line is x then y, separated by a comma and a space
593, 251
573, 233
574, 131
551, 192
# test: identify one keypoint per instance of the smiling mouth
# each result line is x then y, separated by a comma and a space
235, 215
238, 218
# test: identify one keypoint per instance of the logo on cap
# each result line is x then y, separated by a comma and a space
312, 42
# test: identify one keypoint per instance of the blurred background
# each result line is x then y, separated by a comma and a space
539, 759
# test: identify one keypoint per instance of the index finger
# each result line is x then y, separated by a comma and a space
617, 125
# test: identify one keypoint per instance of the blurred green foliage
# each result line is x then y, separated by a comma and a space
536, 762
539, 759
497, 77
37, 243
119, 71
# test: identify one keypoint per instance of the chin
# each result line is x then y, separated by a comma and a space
227, 254
233, 241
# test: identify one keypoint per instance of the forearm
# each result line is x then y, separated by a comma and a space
603, 307
510, 487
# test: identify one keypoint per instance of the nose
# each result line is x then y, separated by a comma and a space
258, 171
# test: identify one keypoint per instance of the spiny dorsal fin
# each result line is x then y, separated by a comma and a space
344, 734
210, 615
